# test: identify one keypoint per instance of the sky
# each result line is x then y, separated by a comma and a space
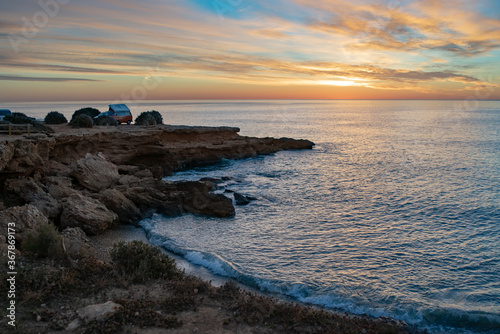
124, 50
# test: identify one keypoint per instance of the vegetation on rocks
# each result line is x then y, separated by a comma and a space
91, 112
55, 117
20, 118
54, 291
82, 121
44, 241
146, 119
149, 118
158, 117
139, 262
105, 120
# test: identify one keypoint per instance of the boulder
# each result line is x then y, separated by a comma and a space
95, 172
24, 218
208, 204
87, 213
129, 181
23, 157
196, 198
59, 187
144, 174
75, 242
2, 206
128, 169
98, 311
241, 199
150, 198
31, 192
127, 211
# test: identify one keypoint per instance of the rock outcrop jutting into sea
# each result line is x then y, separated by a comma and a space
97, 178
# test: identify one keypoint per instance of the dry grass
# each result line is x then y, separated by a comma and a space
165, 302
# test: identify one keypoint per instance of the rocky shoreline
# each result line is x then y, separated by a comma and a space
97, 178
89, 181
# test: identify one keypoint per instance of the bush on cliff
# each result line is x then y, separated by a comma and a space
82, 121
158, 117
149, 118
55, 117
44, 241
146, 119
92, 112
139, 262
105, 120
20, 118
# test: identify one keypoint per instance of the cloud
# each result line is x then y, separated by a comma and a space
317, 41
269, 33
422, 25
56, 68
255, 69
20, 78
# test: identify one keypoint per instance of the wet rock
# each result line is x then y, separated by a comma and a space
75, 241
99, 311
127, 211
95, 172
25, 218
87, 213
241, 199
212, 180
197, 198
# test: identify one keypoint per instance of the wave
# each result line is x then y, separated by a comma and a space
435, 320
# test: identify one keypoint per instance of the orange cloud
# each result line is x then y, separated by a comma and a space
424, 25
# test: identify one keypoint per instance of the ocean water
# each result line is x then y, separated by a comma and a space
395, 212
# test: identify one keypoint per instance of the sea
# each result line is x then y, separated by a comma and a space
394, 213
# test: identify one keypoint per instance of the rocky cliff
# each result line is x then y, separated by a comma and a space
94, 179
162, 149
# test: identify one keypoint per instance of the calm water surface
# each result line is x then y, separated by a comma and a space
396, 212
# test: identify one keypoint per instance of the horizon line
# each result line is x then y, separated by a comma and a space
229, 99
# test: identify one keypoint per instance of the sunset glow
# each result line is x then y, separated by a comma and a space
197, 49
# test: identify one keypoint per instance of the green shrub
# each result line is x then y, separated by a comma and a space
20, 118
92, 112
82, 121
55, 117
44, 241
105, 120
158, 117
146, 118
139, 262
